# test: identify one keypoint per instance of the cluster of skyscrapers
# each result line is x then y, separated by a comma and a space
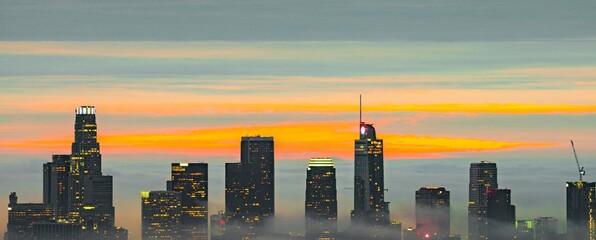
77, 197
78, 200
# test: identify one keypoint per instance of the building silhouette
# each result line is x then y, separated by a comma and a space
191, 181
483, 178
433, 212
500, 215
161, 211
321, 200
21, 217
524, 229
250, 202
545, 228
581, 203
74, 189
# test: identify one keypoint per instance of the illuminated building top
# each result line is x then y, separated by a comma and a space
84, 110
320, 162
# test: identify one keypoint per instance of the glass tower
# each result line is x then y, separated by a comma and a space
483, 178
433, 212
581, 203
321, 200
190, 180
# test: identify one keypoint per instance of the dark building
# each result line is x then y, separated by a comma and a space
370, 216
98, 210
545, 228
56, 231
250, 204
433, 212
161, 211
55, 185
524, 230
22, 216
190, 180
218, 226
483, 178
500, 215
321, 200
410, 234
581, 203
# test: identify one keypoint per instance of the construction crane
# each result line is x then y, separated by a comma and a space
579, 167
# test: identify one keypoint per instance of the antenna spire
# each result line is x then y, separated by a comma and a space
360, 108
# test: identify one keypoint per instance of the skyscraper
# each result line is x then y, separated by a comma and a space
483, 178
190, 180
55, 185
161, 211
500, 214
433, 212
581, 203
250, 203
22, 216
321, 200
545, 228
370, 208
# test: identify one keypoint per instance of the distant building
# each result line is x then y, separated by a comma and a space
370, 217
321, 200
56, 231
483, 178
190, 180
500, 215
410, 233
545, 228
433, 212
55, 185
161, 211
524, 230
581, 203
218, 226
250, 192
22, 216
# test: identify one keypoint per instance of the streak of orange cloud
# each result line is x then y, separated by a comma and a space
293, 139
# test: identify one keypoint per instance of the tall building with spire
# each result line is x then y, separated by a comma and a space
483, 179
371, 212
320, 206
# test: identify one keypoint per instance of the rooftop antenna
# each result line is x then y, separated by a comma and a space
579, 167
360, 109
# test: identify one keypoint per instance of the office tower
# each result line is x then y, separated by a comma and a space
98, 208
218, 226
500, 215
524, 230
432, 212
321, 200
56, 231
190, 180
250, 200
545, 228
22, 216
55, 185
371, 212
483, 178
581, 202
395, 229
161, 211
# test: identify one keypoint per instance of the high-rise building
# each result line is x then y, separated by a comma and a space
524, 230
433, 212
321, 200
483, 178
581, 203
500, 215
161, 211
545, 228
55, 185
190, 180
371, 212
22, 216
250, 203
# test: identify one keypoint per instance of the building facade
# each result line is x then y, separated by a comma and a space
161, 211
433, 212
483, 178
321, 200
55, 185
545, 228
500, 215
191, 181
581, 203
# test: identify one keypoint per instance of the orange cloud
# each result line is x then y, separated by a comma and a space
293, 140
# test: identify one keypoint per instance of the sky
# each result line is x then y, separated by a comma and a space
445, 84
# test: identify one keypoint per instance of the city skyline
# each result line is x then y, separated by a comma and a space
446, 84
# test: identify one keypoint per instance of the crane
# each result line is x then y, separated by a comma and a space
579, 167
